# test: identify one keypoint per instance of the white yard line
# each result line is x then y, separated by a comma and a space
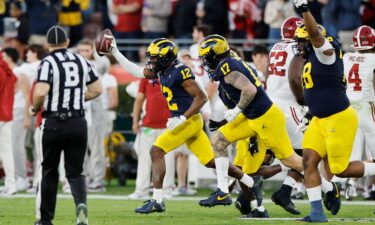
123, 197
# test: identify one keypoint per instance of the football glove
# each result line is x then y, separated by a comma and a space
301, 5
253, 145
214, 125
304, 123
113, 46
174, 122
231, 114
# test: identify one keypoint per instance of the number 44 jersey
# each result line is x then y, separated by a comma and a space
359, 72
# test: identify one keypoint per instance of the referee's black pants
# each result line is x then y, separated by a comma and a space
70, 136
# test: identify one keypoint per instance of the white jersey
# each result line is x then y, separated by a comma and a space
359, 73
19, 98
281, 55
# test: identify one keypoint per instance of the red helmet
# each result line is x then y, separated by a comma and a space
364, 38
288, 28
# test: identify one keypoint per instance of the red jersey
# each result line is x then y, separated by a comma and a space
128, 22
7, 84
157, 112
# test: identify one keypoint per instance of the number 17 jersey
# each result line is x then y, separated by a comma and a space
359, 72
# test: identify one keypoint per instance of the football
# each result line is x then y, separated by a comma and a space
103, 42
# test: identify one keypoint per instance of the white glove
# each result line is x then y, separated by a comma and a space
231, 114
114, 48
302, 125
299, 3
174, 122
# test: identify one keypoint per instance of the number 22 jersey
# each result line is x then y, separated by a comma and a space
325, 85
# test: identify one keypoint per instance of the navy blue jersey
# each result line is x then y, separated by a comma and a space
260, 104
325, 85
171, 85
225, 99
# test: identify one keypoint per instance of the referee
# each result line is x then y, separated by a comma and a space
65, 80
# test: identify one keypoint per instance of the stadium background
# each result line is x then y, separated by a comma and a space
244, 22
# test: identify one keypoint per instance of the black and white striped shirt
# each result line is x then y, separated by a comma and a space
68, 74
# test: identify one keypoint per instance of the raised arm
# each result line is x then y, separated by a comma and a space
127, 65
319, 42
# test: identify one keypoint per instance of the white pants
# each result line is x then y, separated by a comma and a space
18, 142
6, 155
293, 115
365, 138
37, 155
96, 159
142, 145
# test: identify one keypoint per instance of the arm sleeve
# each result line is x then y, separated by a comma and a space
92, 75
325, 59
128, 66
45, 73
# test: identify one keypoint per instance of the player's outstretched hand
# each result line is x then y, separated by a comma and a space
230, 114
174, 122
301, 5
304, 123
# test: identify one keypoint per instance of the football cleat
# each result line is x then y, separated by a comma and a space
257, 214
279, 198
332, 200
309, 219
243, 204
81, 213
349, 192
151, 206
216, 198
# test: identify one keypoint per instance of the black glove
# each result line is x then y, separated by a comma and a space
253, 145
301, 5
214, 125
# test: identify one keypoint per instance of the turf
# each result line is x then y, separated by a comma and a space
20, 211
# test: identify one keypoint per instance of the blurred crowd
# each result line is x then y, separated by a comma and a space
26, 21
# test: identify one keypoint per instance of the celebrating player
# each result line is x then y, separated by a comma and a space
331, 132
185, 99
252, 113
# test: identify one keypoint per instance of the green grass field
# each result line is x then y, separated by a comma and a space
20, 211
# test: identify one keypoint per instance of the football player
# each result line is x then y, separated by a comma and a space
252, 113
185, 99
359, 70
330, 134
280, 93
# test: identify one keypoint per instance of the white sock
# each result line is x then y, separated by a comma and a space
254, 204
314, 193
352, 182
369, 169
373, 187
247, 180
261, 208
158, 195
290, 181
222, 166
326, 185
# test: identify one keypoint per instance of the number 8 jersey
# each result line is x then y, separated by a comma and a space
359, 72
325, 85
